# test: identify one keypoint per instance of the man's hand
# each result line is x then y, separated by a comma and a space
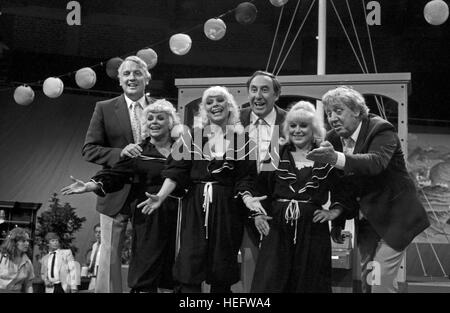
152, 203
325, 215
336, 234
324, 154
132, 150
262, 225
77, 187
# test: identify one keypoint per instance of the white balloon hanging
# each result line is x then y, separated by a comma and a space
278, 3
436, 12
149, 56
23, 95
53, 87
85, 78
180, 44
215, 28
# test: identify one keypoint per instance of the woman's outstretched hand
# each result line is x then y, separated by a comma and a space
254, 204
77, 187
152, 203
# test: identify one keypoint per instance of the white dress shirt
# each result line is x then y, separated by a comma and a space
264, 137
340, 162
55, 279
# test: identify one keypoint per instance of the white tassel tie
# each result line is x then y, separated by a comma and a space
178, 233
292, 214
207, 200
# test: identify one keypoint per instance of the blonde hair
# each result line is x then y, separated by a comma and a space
304, 110
233, 118
161, 105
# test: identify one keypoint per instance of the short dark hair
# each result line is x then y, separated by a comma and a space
95, 226
276, 83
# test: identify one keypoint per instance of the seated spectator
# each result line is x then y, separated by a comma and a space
16, 269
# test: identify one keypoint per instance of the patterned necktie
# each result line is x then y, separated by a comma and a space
349, 145
263, 134
136, 125
257, 124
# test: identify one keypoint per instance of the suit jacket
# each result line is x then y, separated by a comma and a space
69, 274
386, 193
108, 133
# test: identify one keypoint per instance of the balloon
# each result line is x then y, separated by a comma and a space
278, 3
436, 12
53, 87
23, 95
112, 66
149, 56
215, 28
85, 78
245, 13
180, 44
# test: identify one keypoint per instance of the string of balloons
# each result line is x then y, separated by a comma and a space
180, 44
436, 12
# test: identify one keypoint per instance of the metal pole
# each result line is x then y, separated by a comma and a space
321, 47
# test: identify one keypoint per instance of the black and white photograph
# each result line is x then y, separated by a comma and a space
237, 152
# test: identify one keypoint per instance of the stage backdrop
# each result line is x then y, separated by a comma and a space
40, 147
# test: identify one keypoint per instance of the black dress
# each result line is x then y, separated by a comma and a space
213, 216
154, 235
296, 254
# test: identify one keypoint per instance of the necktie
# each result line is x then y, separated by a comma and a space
136, 125
52, 269
258, 123
94, 260
349, 145
262, 139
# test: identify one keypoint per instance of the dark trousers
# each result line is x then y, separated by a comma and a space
57, 288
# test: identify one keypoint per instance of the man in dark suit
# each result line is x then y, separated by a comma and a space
368, 151
262, 120
114, 133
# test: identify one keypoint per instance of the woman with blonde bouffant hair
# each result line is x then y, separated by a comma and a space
218, 173
154, 237
16, 269
295, 253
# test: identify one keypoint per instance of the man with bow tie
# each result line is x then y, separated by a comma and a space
367, 150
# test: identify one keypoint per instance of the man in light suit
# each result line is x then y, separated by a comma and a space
59, 270
262, 120
367, 150
114, 133
94, 258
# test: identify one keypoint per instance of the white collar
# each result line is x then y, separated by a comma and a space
130, 102
355, 134
269, 118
